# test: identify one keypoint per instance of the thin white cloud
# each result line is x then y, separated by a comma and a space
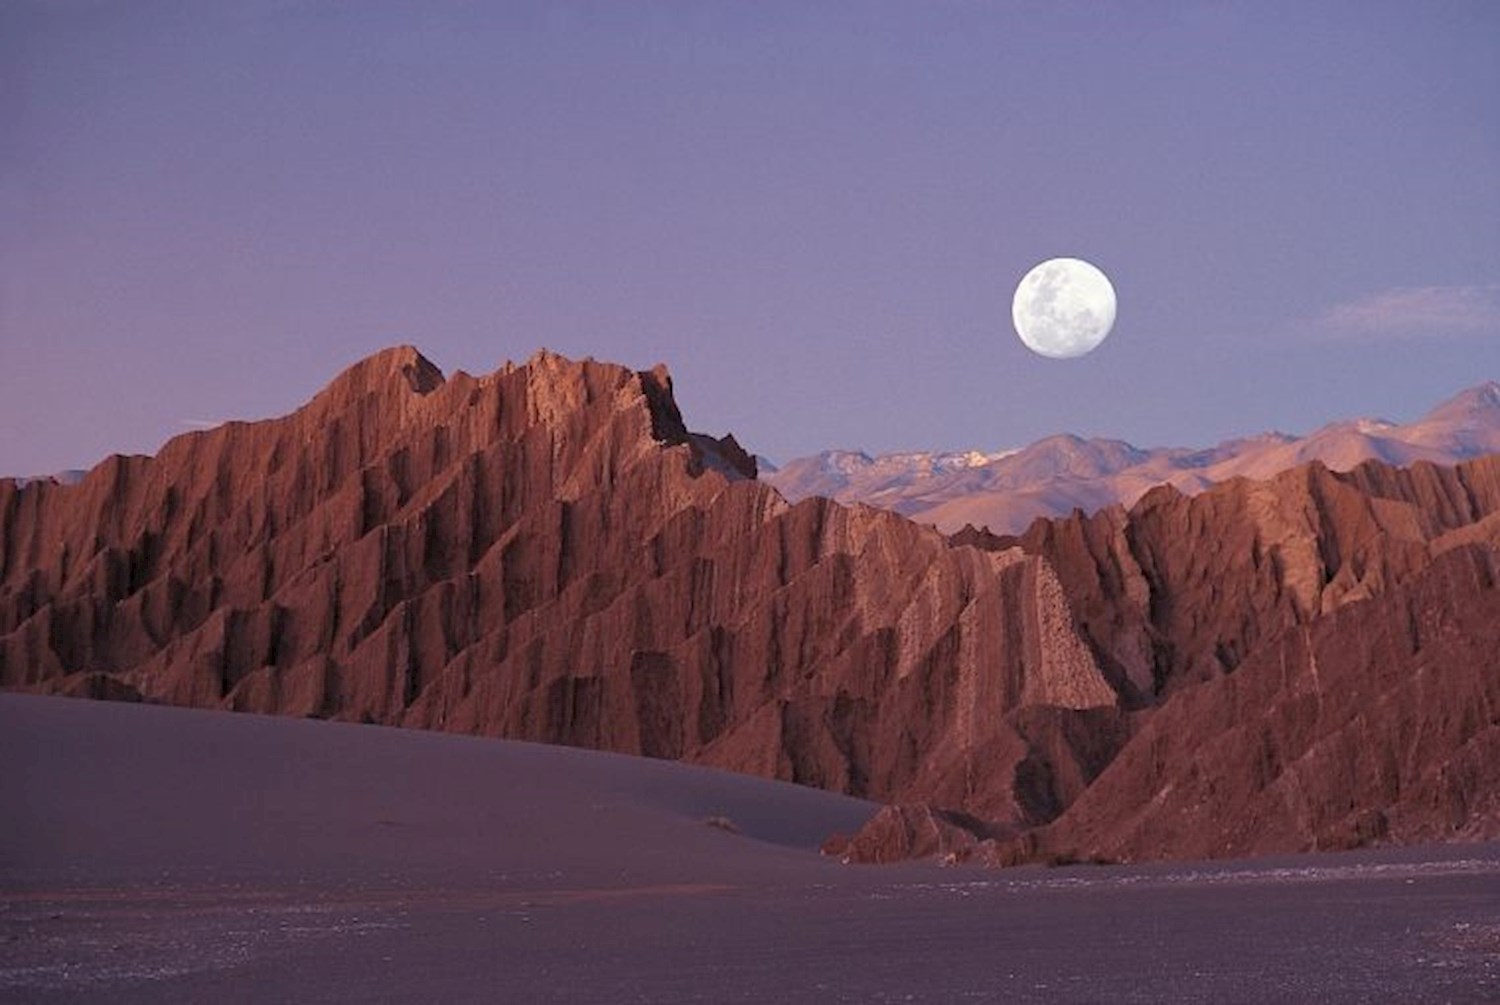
202, 423
1417, 312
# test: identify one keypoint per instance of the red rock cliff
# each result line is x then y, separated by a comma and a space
548, 553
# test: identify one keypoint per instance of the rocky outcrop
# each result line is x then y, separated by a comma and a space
1380, 722
1182, 589
900, 832
548, 553
1312, 662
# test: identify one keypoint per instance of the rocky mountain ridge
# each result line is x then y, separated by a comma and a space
548, 553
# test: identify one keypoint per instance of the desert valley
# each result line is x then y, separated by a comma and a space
1008, 509
1302, 661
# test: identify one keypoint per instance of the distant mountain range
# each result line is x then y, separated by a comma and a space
1005, 491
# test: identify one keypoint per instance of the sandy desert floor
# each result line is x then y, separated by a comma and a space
155, 854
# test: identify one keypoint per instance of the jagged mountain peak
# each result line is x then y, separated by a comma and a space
402, 362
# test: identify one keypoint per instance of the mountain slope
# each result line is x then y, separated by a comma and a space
548, 553
545, 553
1379, 723
1052, 477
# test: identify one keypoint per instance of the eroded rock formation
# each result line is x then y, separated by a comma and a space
545, 553
548, 553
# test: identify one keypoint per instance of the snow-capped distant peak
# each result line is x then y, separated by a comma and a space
846, 461
978, 459
850, 462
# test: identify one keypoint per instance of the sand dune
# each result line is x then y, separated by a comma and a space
157, 854
120, 793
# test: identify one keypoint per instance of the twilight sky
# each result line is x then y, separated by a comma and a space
815, 213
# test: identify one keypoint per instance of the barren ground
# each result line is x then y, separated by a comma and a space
156, 854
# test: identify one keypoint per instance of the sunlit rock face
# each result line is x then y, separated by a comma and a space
1312, 659
548, 553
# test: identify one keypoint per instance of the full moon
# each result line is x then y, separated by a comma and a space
1063, 308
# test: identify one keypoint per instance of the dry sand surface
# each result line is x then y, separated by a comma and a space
156, 854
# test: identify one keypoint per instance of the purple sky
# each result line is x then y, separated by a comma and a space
814, 213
